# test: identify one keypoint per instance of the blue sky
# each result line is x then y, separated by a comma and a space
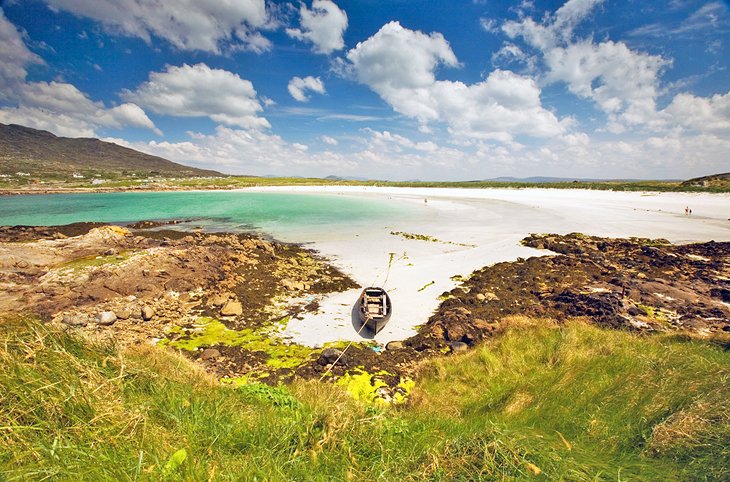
402, 89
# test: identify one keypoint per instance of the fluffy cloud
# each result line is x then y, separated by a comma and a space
14, 57
622, 82
700, 114
328, 140
386, 138
323, 25
66, 111
207, 25
55, 106
199, 91
298, 86
400, 65
396, 58
239, 151
386, 155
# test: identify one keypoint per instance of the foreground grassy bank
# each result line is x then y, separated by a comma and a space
576, 403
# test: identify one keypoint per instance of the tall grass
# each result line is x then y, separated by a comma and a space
572, 403
590, 401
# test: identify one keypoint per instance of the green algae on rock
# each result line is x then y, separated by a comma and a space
93, 261
210, 332
372, 388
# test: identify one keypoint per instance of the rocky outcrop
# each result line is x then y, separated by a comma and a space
633, 284
147, 284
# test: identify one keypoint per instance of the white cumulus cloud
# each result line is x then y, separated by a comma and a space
244, 151
200, 91
55, 106
701, 114
207, 25
400, 65
324, 26
328, 140
298, 87
14, 57
623, 83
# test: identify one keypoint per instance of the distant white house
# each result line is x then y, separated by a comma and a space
96, 182
22, 174
76, 175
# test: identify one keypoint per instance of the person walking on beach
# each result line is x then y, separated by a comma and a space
686, 210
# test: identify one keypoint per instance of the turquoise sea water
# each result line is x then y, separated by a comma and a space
274, 213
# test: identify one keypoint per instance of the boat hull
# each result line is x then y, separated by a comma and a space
374, 308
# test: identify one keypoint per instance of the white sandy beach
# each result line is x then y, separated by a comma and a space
487, 225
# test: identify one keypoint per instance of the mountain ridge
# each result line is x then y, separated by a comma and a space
39, 153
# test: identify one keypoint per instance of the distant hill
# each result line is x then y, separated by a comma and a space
715, 180
40, 154
347, 178
544, 179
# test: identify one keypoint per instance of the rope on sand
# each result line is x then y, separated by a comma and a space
343, 351
367, 317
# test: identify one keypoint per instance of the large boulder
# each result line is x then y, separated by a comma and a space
232, 308
219, 299
330, 356
108, 233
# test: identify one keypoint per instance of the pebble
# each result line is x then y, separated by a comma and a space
147, 313
106, 318
76, 320
210, 354
394, 345
458, 347
330, 355
123, 313
232, 308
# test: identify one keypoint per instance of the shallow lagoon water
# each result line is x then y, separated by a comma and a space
287, 216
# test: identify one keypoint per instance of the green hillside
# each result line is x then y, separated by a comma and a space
42, 155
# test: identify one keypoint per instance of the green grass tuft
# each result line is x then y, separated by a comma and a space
568, 403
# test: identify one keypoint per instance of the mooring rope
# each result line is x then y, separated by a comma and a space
367, 317
387, 272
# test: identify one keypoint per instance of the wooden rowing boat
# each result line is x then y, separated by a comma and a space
374, 308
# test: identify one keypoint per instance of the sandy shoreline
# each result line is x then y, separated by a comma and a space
478, 228
468, 229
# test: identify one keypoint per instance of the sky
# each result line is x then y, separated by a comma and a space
381, 89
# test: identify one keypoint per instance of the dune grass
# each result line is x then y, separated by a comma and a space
571, 403
115, 180
648, 185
